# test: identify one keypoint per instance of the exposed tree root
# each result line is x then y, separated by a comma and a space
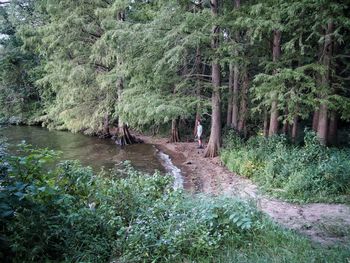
124, 137
212, 150
175, 135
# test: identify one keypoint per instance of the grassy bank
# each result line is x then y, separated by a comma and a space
69, 214
308, 173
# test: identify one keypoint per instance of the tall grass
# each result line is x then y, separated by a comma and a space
309, 173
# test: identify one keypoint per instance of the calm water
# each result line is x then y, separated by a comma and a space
90, 151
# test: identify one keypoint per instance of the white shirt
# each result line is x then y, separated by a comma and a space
199, 130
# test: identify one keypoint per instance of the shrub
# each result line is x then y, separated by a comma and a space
69, 214
304, 173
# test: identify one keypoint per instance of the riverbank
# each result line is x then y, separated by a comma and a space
324, 223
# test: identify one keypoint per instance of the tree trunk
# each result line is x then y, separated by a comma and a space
235, 97
333, 128
276, 54
326, 61
199, 70
175, 135
323, 124
266, 124
316, 114
315, 120
244, 105
273, 118
213, 147
235, 93
295, 128
230, 96
123, 137
285, 124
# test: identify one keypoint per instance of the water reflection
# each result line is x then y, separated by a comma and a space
90, 151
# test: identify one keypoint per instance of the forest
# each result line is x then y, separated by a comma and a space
269, 81
257, 66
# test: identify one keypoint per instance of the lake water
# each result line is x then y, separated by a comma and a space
91, 151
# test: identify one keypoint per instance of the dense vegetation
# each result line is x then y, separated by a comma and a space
273, 66
308, 173
270, 67
68, 214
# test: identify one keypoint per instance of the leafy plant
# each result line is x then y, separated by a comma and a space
306, 173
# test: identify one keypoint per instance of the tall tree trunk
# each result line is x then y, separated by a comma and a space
266, 124
235, 93
213, 147
175, 135
199, 70
315, 120
295, 128
124, 136
326, 61
276, 54
285, 127
316, 114
230, 95
323, 124
333, 128
243, 111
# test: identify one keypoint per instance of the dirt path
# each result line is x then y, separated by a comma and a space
324, 223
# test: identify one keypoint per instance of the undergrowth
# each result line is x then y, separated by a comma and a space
309, 173
69, 214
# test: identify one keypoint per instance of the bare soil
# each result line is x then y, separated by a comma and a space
324, 223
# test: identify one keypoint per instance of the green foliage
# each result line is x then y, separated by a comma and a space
67, 214
309, 173
70, 214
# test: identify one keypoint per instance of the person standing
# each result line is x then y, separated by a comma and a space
199, 134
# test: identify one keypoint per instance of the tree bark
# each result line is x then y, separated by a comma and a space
213, 147
285, 127
244, 105
315, 120
230, 96
123, 137
295, 128
333, 128
266, 124
175, 135
235, 93
326, 61
274, 118
276, 54
199, 70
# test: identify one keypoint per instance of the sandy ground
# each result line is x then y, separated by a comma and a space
324, 223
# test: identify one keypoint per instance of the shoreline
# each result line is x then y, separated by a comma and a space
210, 177
318, 221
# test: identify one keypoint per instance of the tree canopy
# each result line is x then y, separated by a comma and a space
269, 66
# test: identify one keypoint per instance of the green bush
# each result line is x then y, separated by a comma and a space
309, 173
69, 214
